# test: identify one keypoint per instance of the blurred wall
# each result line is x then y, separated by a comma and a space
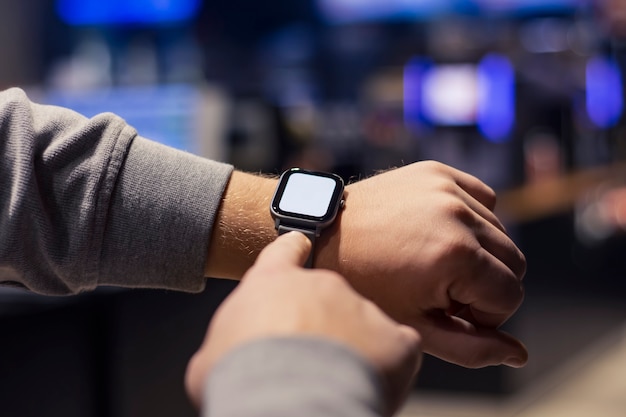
21, 49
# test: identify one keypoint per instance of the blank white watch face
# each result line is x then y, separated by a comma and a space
307, 194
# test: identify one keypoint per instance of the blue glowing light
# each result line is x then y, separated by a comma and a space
166, 114
413, 73
461, 94
605, 102
346, 11
98, 12
496, 106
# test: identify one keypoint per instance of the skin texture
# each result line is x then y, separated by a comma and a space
279, 298
421, 241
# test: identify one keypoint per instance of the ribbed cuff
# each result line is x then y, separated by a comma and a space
161, 218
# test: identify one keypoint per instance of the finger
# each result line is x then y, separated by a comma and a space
193, 380
400, 380
414, 344
474, 187
292, 248
460, 342
500, 245
491, 235
480, 209
494, 293
482, 319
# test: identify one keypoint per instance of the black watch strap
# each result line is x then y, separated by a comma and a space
282, 229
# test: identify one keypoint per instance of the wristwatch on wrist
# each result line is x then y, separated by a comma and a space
307, 202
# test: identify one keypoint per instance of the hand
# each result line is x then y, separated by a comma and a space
423, 243
279, 298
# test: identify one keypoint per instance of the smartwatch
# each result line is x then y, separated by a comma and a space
307, 202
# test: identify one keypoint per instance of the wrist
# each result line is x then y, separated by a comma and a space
243, 226
343, 247
328, 246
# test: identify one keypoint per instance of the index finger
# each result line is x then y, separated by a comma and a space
290, 249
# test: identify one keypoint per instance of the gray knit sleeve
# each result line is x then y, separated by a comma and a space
86, 202
286, 377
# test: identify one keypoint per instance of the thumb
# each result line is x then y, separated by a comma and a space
292, 249
457, 341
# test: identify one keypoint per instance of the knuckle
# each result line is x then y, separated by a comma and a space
459, 210
464, 246
433, 167
431, 164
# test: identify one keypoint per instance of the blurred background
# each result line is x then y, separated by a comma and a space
528, 95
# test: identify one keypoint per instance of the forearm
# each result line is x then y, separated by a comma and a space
85, 202
243, 226
90, 203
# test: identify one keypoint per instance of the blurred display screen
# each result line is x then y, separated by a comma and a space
346, 11
99, 12
450, 94
471, 94
605, 102
166, 114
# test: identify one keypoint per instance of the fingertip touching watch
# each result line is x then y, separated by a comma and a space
307, 202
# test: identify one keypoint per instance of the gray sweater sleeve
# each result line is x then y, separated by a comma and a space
286, 377
87, 202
